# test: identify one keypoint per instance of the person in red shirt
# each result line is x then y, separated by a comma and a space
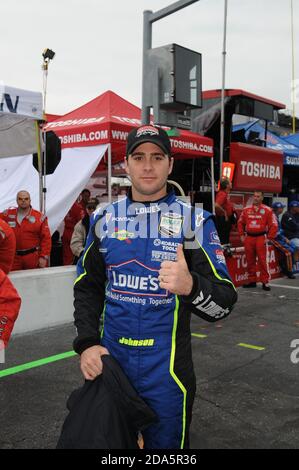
7, 246
257, 223
84, 198
33, 238
224, 211
74, 215
10, 304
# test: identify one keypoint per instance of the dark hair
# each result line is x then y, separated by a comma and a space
224, 183
258, 191
85, 191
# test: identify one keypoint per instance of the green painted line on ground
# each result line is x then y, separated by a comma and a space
198, 335
39, 363
251, 346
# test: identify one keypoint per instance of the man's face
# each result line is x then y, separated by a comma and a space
148, 168
279, 210
257, 198
23, 200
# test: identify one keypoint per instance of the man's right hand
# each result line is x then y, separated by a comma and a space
242, 237
91, 363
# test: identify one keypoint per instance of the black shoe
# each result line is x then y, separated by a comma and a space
251, 284
266, 287
291, 276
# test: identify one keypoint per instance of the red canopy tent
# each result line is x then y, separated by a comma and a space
108, 119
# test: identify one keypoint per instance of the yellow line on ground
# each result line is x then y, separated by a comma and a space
251, 346
198, 335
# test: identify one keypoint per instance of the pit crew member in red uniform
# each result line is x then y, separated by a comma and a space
256, 224
33, 238
10, 304
7, 246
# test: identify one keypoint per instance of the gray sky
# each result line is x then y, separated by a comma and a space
98, 46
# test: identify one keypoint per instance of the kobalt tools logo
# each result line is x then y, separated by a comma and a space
260, 170
165, 245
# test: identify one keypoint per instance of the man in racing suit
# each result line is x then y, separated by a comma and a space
258, 223
147, 266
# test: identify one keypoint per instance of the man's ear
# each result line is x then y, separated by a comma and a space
170, 165
126, 166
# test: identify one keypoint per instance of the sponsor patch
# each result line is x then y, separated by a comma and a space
199, 219
125, 279
220, 256
171, 224
163, 256
12, 224
166, 245
32, 219
214, 238
147, 130
122, 235
147, 209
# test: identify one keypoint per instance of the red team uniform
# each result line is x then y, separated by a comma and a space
257, 223
10, 304
7, 246
33, 238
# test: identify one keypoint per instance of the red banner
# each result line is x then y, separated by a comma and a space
257, 168
237, 266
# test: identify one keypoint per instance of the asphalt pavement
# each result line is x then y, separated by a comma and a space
247, 385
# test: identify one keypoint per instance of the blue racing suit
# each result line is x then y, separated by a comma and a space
146, 328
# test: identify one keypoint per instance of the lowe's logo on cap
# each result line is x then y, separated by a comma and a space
147, 130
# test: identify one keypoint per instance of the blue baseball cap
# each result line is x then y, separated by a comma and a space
294, 204
278, 205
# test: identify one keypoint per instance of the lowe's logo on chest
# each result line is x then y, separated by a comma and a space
124, 278
138, 283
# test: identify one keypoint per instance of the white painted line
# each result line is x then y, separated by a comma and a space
284, 287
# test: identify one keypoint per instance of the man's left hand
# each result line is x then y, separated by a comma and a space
175, 275
42, 262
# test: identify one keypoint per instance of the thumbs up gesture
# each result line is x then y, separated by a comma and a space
175, 275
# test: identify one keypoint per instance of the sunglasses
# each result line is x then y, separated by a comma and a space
91, 207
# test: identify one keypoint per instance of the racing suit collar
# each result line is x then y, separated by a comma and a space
169, 195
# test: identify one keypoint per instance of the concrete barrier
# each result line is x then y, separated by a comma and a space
47, 297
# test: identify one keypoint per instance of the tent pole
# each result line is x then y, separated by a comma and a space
213, 185
39, 162
222, 120
109, 173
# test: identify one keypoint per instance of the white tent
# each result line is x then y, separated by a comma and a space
19, 112
63, 186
